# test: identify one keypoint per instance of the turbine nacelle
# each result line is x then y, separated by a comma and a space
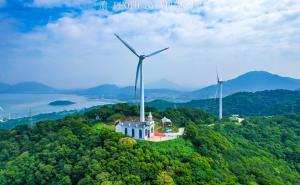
142, 57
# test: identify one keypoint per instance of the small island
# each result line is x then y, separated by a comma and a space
61, 103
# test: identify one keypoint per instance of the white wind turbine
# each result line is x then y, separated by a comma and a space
139, 71
220, 89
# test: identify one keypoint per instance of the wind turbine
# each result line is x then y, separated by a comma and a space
220, 88
139, 72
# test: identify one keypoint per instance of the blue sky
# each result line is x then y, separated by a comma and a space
70, 43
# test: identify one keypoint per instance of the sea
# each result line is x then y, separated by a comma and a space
14, 106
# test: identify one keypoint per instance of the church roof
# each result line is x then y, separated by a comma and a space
134, 124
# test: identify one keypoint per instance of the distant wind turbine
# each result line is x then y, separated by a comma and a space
220, 89
139, 72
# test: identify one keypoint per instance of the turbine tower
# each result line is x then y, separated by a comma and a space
220, 88
140, 75
30, 118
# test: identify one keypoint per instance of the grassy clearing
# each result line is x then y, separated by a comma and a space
101, 125
174, 147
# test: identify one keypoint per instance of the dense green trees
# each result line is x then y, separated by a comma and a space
279, 135
73, 151
256, 152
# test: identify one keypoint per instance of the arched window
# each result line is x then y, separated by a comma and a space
125, 131
132, 132
140, 133
146, 132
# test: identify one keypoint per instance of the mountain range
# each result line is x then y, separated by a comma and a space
26, 88
248, 82
125, 93
167, 84
167, 90
271, 102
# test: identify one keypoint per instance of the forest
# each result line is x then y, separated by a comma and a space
270, 102
79, 149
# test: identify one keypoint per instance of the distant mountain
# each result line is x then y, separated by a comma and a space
248, 82
4, 87
100, 90
163, 84
165, 89
108, 91
125, 93
28, 87
244, 103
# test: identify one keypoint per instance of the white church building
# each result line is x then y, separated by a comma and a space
137, 130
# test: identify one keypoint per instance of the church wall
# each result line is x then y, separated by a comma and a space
121, 128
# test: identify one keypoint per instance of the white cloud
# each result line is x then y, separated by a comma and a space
57, 3
237, 36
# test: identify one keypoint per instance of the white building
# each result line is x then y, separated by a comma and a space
165, 121
137, 130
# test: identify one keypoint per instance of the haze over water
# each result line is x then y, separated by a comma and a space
20, 105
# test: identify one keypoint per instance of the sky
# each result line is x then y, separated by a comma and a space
71, 43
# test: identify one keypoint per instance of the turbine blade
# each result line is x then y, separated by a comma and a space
127, 45
156, 52
217, 75
136, 78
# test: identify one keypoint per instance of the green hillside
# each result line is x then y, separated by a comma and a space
245, 103
77, 150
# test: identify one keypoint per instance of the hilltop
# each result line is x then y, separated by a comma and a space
79, 150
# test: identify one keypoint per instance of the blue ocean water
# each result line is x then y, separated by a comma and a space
23, 105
